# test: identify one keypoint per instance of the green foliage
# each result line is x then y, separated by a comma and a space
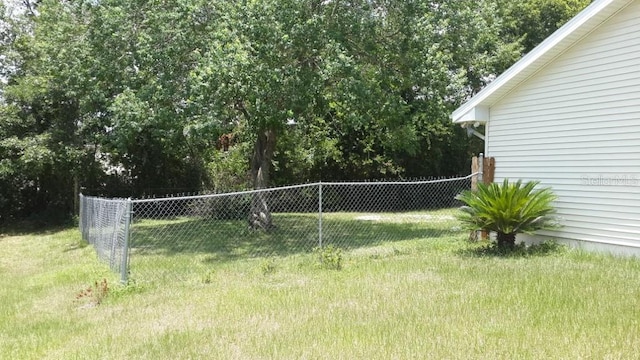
329, 257
42, 149
109, 95
229, 170
268, 266
124, 290
532, 21
508, 209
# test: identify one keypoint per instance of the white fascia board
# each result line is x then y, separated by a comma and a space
475, 114
555, 44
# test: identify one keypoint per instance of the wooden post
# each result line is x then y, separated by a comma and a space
474, 169
488, 172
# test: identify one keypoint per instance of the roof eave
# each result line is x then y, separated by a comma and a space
537, 58
475, 114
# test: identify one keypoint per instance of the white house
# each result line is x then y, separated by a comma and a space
568, 114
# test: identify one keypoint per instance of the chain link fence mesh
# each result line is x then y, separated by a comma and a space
104, 223
176, 237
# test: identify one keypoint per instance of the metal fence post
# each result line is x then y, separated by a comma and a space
81, 219
124, 265
320, 214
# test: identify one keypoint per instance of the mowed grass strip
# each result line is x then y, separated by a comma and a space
420, 298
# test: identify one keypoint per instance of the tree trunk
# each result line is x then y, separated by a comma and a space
506, 240
260, 215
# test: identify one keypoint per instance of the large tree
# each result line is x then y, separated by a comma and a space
40, 144
133, 93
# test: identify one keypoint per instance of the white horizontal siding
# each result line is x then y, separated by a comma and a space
575, 126
556, 106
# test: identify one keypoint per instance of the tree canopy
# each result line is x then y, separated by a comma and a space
133, 97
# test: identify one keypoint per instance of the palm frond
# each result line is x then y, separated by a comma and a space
508, 208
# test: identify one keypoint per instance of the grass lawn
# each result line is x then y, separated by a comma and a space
179, 247
439, 298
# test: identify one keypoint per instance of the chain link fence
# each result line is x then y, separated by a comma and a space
104, 223
178, 236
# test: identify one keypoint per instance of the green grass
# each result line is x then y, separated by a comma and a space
179, 246
439, 298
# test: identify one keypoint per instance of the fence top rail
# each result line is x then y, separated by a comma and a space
97, 198
416, 182
248, 192
208, 196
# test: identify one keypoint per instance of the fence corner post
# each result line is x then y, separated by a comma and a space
124, 265
81, 211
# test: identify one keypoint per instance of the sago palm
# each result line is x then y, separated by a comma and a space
508, 209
